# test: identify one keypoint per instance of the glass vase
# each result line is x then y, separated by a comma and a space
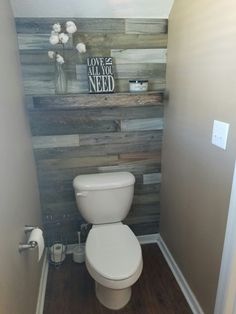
60, 79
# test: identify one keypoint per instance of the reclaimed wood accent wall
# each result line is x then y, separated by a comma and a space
80, 133
138, 47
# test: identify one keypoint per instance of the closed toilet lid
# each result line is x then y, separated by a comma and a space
113, 251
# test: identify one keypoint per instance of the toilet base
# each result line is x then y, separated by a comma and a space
113, 299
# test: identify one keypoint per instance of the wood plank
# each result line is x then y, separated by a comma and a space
152, 178
84, 25
55, 141
146, 227
140, 219
140, 189
140, 71
40, 56
142, 124
123, 41
140, 156
122, 138
127, 56
147, 71
156, 291
98, 40
39, 79
138, 167
45, 86
100, 114
39, 41
154, 84
149, 198
141, 209
95, 150
130, 70
58, 127
41, 87
93, 101
56, 164
41, 143
145, 26
60, 208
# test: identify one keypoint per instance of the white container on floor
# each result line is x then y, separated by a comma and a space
79, 253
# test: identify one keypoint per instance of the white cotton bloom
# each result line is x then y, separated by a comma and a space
60, 59
51, 54
63, 38
56, 27
71, 27
81, 47
54, 39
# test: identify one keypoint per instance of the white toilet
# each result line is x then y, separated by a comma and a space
113, 253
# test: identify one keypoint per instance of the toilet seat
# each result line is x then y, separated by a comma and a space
113, 255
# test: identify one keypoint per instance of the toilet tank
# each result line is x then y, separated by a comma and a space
104, 197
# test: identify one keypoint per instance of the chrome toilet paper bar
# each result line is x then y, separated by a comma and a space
27, 246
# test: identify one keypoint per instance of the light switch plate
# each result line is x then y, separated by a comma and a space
220, 134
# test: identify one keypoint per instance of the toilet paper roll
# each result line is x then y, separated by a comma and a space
36, 235
57, 253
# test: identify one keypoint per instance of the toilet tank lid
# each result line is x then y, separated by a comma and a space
102, 181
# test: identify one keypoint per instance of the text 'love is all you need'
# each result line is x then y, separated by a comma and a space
100, 75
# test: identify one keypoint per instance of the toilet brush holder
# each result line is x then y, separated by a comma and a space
79, 253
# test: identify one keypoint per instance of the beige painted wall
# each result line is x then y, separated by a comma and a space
197, 176
19, 200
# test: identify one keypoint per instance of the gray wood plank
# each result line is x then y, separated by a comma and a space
127, 56
145, 26
154, 84
57, 127
59, 121
152, 178
142, 124
153, 155
46, 87
140, 71
130, 71
138, 167
39, 41
55, 141
92, 101
65, 175
98, 40
123, 41
146, 227
84, 25
96, 150
87, 161
121, 138
148, 198
140, 220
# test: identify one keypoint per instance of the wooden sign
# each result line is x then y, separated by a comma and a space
100, 75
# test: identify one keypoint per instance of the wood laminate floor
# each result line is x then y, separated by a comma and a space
70, 289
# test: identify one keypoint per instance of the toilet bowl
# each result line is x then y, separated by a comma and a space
113, 254
114, 260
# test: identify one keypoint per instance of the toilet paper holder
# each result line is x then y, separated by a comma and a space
31, 244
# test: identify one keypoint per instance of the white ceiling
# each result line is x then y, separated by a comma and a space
92, 8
